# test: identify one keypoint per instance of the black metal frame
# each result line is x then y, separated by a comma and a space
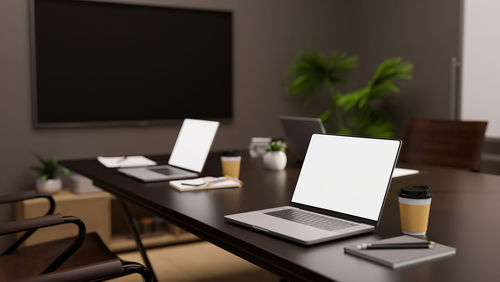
73, 247
28, 233
95, 272
130, 268
134, 267
138, 240
49, 221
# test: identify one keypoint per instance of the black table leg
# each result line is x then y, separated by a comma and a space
138, 240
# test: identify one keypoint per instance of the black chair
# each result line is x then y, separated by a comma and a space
81, 258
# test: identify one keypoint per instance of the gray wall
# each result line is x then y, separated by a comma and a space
267, 36
425, 32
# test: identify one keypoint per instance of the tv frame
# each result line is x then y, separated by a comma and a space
131, 123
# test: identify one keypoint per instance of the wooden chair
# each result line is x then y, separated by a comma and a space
444, 142
82, 258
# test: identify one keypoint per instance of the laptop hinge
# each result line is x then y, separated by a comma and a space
334, 214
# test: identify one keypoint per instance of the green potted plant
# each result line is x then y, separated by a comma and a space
48, 170
361, 112
275, 157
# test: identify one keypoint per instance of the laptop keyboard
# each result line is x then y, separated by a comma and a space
166, 170
311, 219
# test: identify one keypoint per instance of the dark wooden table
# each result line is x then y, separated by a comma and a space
465, 214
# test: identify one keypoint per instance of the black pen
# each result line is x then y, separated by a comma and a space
206, 183
409, 245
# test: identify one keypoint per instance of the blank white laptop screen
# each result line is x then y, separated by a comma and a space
346, 174
193, 144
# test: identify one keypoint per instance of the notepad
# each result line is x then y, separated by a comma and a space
205, 183
396, 258
125, 161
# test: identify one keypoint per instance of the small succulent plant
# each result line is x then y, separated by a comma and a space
275, 146
49, 168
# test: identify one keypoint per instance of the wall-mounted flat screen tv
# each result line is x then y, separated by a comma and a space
103, 63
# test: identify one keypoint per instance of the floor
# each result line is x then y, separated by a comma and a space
199, 261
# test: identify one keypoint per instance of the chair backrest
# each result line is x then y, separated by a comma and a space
444, 142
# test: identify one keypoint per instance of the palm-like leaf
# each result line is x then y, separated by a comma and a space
370, 123
350, 99
360, 118
353, 110
311, 71
392, 69
380, 86
325, 115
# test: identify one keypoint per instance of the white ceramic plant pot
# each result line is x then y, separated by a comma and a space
274, 160
49, 186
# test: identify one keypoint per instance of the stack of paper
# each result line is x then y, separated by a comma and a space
125, 161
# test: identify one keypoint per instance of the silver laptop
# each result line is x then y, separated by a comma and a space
298, 132
340, 192
188, 156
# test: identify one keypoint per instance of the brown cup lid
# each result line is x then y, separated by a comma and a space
415, 192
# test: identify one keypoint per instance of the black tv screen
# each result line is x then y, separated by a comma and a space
107, 63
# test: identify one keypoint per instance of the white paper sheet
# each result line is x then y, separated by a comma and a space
398, 172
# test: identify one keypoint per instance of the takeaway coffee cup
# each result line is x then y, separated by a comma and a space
414, 206
231, 163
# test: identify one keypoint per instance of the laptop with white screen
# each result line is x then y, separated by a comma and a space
188, 156
340, 192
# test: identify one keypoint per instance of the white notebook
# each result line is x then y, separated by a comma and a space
204, 183
125, 161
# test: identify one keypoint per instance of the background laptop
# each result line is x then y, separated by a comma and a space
340, 192
188, 156
298, 132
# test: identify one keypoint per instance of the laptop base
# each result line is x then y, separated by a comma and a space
292, 231
157, 173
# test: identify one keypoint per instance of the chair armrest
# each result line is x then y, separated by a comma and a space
19, 196
31, 223
94, 272
26, 195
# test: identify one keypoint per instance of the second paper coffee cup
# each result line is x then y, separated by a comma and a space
231, 161
414, 207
